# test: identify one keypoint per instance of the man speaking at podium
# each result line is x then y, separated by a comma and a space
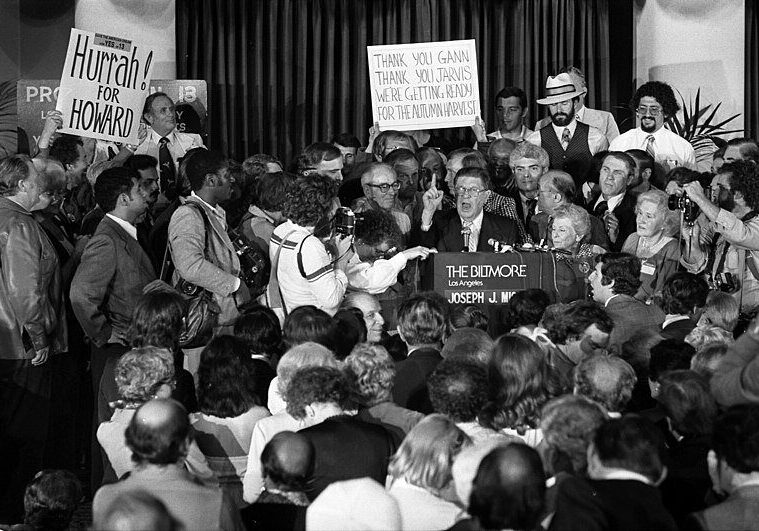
467, 228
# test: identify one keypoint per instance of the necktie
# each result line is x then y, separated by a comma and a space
531, 204
601, 209
166, 164
565, 137
650, 146
547, 239
470, 238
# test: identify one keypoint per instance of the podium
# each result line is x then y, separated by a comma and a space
491, 279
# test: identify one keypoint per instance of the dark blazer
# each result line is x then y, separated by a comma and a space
613, 505
348, 448
445, 232
678, 329
514, 194
630, 316
410, 386
625, 213
108, 282
740, 511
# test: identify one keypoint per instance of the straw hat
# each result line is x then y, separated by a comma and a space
558, 89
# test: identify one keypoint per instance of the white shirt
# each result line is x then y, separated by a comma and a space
376, 277
671, 318
475, 226
128, 227
625, 474
523, 134
612, 202
668, 146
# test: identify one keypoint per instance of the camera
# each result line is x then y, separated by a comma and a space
686, 205
344, 222
725, 282
255, 267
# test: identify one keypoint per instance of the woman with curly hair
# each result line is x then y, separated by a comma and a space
308, 265
420, 472
229, 410
517, 392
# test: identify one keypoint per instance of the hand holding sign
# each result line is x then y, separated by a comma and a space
479, 130
53, 122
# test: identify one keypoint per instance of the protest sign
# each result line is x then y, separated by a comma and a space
104, 83
428, 85
36, 97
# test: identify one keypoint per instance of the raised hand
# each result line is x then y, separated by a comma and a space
418, 252
478, 128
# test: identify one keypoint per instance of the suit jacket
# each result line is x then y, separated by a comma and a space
625, 213
613, 505
602, 120
348, 448
410, 386
678, 330
630, 316
740, 511
445, 232
216, 268
109, 282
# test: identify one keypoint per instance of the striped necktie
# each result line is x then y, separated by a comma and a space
650, 146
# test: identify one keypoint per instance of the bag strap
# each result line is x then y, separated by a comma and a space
300, 257
275, 297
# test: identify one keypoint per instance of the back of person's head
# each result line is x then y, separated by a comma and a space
607, 380
569, 423
685, 397
315, 154
141, 372
111, 184
51, 175
270, 190
287, 461
159, 433
425, 456
141, 162
258, 326
508, 491
202, 164
350, 330
748, 148
631, 443
735, 439
316, 385
703, 335
683, 293
422, 320
371, 373
309, 199
136, 510
157, 319
308, 323
353, 504
226, 378
572, 319
50, 500
400, 156
261, 163
65, 149
308, 354
458, 388
469, 344
375, 227
708, 358
391, 139
669, 355
643, 159
623, 269
526, 307
721, 309
185, 188
468, 316
475, 160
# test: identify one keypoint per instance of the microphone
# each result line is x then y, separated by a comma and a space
499, 246
466, 232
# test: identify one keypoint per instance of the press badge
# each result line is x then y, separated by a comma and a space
647, 268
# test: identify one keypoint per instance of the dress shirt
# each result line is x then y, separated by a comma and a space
668, 146
672, 318
612, 202
625, 474
523, 134
596, 139
128, 227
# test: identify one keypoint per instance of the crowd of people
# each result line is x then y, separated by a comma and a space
191, 342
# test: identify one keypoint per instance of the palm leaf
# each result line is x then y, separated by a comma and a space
697, 121
8, 119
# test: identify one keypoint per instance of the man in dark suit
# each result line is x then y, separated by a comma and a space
468, 228
344, 446
113, 271
625, 467
615, 205
614, 282
683, 295
734, 468
421, 325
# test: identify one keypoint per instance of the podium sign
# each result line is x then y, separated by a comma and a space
489, 279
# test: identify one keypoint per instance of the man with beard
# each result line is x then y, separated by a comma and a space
654, 102
468, 228
569, 143
735, 190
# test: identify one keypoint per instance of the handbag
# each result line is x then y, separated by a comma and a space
202, 311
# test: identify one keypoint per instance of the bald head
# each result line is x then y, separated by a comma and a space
377, 172
159, 432
287, 460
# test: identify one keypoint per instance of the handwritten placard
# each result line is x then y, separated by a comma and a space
428, 85
103, 87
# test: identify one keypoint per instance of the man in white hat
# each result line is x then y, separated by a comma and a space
602, 120
569, 143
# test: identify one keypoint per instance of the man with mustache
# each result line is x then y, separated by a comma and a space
653, 103
569, 143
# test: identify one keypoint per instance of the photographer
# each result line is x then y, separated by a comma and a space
376, 265
308, 261
730, 262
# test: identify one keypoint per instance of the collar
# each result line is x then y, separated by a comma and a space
613, 201
216, 210
128, 227
618, 473
257, 212
579, 114
606, 304
476, 224
673, 318
559, 130
429, 347
156, 138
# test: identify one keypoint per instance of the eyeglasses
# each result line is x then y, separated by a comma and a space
532, 170
467, 192
651, 111
385, 187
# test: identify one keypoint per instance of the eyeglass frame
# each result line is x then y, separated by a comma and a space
387, 186
653, 112
467, 192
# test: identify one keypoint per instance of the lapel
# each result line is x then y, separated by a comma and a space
131, 246
221, 236
454, 241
